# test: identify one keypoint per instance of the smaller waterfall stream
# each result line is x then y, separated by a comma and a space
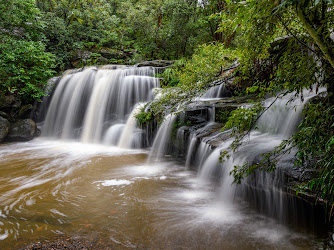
128, 138
160, 143
214, 92
276, 124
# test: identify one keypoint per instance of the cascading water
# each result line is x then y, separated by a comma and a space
128, 138
111, 197
214, 92
91, 105
276, 124
160, 144
197, 155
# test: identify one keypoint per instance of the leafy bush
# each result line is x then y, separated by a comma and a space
194, 77
25, 67
144, 117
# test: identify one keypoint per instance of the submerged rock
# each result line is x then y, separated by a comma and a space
22, 130
4, 128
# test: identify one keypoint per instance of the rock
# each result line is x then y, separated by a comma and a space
156, 63
81, 54
82, 58
6, 100
110, 53
4, 115
22, 130
17, 103
4, 128
25, 109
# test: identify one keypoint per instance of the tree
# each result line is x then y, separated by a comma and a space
24, 64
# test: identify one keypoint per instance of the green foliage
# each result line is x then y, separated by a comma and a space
21, 19
159, 29
144, 117
222, 116
303, 58
25, 67
205, 66
24, 64
78, 24
194, 77
315, 140
243, 119
169, 78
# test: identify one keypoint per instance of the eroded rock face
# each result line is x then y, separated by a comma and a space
4, 128
22, 130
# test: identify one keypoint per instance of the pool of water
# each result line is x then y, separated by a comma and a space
54, 189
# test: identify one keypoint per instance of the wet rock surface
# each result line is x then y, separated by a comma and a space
4, 128
22, 130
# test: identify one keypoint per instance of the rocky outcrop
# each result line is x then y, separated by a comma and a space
156, 64
82, 58
4, 128
15, 122
22, 130
6, 100
100, 56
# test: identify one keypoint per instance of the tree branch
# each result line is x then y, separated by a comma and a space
298, 40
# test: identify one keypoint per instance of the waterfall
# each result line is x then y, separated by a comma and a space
92, 105
98, 105
127, 137
197, 154
160, 144
214, 92
113, 134
278, 122
191, 150
266, 189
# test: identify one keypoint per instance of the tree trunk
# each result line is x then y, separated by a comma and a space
315, 36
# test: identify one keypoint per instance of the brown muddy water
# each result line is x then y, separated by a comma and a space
52, 190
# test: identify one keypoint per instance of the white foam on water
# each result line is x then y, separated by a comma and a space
4, 236
115, 182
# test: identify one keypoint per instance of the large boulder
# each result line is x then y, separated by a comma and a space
4, 128
22, 130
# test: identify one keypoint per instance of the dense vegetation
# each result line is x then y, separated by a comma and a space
283, 46
39, 37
